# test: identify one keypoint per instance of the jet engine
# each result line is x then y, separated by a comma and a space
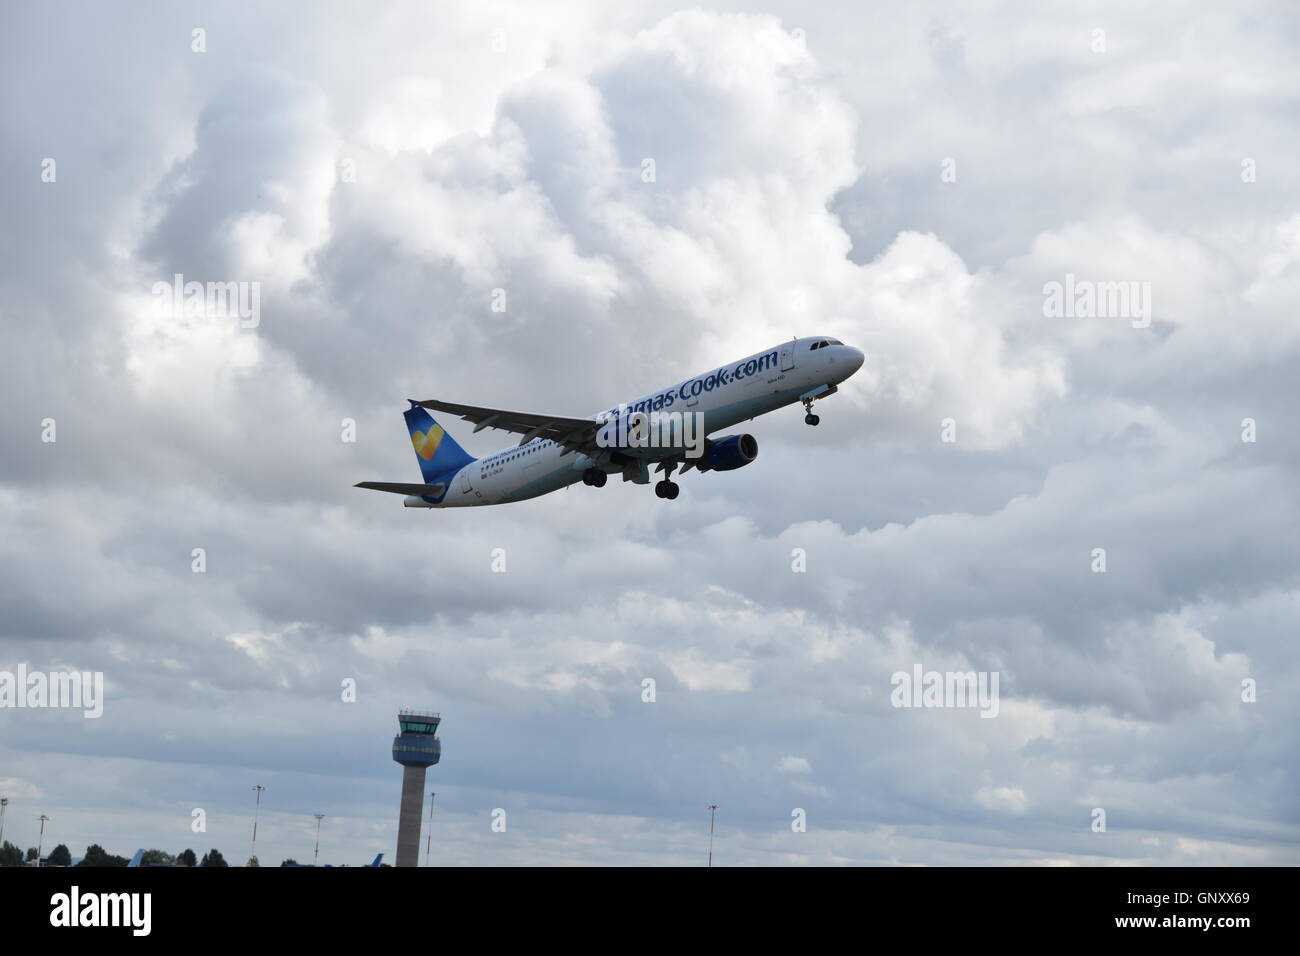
729, 453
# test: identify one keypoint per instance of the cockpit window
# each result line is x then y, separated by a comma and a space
832, 342
815, 346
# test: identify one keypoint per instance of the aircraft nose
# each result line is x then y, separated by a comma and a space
855, 358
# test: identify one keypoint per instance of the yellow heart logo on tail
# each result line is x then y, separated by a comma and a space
426, 445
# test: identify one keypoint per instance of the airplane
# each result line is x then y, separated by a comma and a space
556, 452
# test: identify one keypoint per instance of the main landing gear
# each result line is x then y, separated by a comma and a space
667, 489
594, 477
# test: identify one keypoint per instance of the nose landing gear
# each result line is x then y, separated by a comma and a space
810, 418
823, 391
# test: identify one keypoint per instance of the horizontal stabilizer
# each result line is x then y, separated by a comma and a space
398, 488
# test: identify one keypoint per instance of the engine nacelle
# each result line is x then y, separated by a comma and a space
730, 453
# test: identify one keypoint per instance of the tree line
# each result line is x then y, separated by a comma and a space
96, 855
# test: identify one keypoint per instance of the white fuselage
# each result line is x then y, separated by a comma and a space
724, 396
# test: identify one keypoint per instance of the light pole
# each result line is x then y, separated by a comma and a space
713, 808
258, 809
428, 843
4, 802
316, 856
41, 842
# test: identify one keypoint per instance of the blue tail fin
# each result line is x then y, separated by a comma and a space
435, 450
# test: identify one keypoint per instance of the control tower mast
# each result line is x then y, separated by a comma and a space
416, 748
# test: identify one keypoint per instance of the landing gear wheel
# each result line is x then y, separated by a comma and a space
809, 418
667, 489
673, 491
594, 477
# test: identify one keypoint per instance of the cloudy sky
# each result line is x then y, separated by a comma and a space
909, 180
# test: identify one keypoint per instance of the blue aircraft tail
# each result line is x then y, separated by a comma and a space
435, 450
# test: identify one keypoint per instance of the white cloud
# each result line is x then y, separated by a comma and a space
791, 764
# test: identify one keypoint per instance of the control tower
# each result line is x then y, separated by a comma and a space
415, 748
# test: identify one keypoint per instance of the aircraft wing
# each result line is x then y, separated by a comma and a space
573, 434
